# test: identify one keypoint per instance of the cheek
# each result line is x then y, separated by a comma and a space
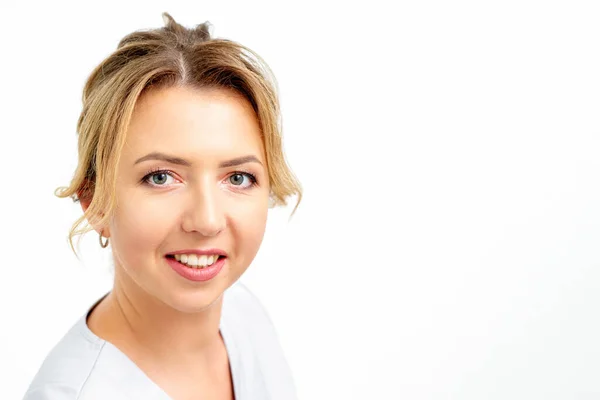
139, 226
249, 225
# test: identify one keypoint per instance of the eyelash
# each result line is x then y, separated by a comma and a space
252, 177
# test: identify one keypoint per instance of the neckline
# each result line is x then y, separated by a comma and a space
140, 375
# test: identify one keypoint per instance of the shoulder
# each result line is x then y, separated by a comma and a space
257, 344
52, 391
242, 307
239, 295
67, 366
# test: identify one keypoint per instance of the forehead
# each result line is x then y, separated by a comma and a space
194, 122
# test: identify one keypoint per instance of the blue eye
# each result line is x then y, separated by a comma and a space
159, 178
237, 179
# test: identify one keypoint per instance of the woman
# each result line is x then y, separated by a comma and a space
180, 157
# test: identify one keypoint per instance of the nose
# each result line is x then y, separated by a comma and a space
204, 214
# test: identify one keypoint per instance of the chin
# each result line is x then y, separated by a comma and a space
194, 300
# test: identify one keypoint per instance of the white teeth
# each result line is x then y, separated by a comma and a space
196, 261
202, 260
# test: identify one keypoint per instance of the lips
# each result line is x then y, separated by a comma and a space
197, 274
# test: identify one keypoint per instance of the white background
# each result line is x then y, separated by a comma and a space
447, 245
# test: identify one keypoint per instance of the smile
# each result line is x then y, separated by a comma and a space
196, 261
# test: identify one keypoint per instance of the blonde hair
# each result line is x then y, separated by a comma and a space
164, 57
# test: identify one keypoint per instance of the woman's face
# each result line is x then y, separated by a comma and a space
192, 176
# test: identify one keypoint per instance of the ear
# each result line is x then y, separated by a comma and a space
85, 200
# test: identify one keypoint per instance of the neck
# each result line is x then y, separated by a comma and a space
137, 322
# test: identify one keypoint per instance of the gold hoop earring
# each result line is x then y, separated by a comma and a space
103, 244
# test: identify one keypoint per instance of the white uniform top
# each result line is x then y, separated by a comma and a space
83, 366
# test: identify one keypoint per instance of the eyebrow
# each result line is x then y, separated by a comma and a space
180, 161
239, 161
163, 157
